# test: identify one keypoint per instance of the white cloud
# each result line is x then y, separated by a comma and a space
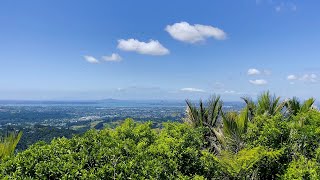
305, 78
277, 8
91, 59
185, 32
288, 6
292, 77
113, 57
230, 92
151, 48
258, 82
253, 71
280, 5
192, 90
309, 78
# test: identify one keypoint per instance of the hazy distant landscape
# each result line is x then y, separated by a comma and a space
45, 120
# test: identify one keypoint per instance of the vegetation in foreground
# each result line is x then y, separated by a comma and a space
268, 139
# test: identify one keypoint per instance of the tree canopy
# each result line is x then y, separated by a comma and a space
267, 139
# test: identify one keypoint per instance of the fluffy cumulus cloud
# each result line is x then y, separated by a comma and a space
253, 71
292, 77
91, 59
186, 32
192, 90
258, 82
152, 47
113, 57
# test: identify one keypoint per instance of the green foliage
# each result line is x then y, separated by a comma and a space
246, 163
132, 150
8, 144
294, 106
267, 104
305, 133
204, 116
234, 127
263, 141
302, 168
272, 132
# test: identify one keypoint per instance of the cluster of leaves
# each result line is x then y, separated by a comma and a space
268, 139
8, 144
132, 150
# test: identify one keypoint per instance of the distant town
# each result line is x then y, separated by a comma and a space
44, 121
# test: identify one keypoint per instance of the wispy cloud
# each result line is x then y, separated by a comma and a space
91, 59
113, 57
253, 71
152, 47
277, 8
285, 6
192, 90
279, 5
309, 78
230, 92
185, 32
312, 78
258, 82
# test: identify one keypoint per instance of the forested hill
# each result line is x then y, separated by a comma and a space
268, 139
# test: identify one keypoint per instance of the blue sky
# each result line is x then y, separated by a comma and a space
165, 49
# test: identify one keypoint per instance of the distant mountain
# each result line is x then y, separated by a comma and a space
110, 100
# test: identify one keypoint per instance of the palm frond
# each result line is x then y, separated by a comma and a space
307, 105
293, 106
250, 106
192, 114
268, 104
242, 120
214, 109
9, 143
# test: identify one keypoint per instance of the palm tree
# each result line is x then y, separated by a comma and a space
234, 127
266, 104
294, 106
9, 143
206, 117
